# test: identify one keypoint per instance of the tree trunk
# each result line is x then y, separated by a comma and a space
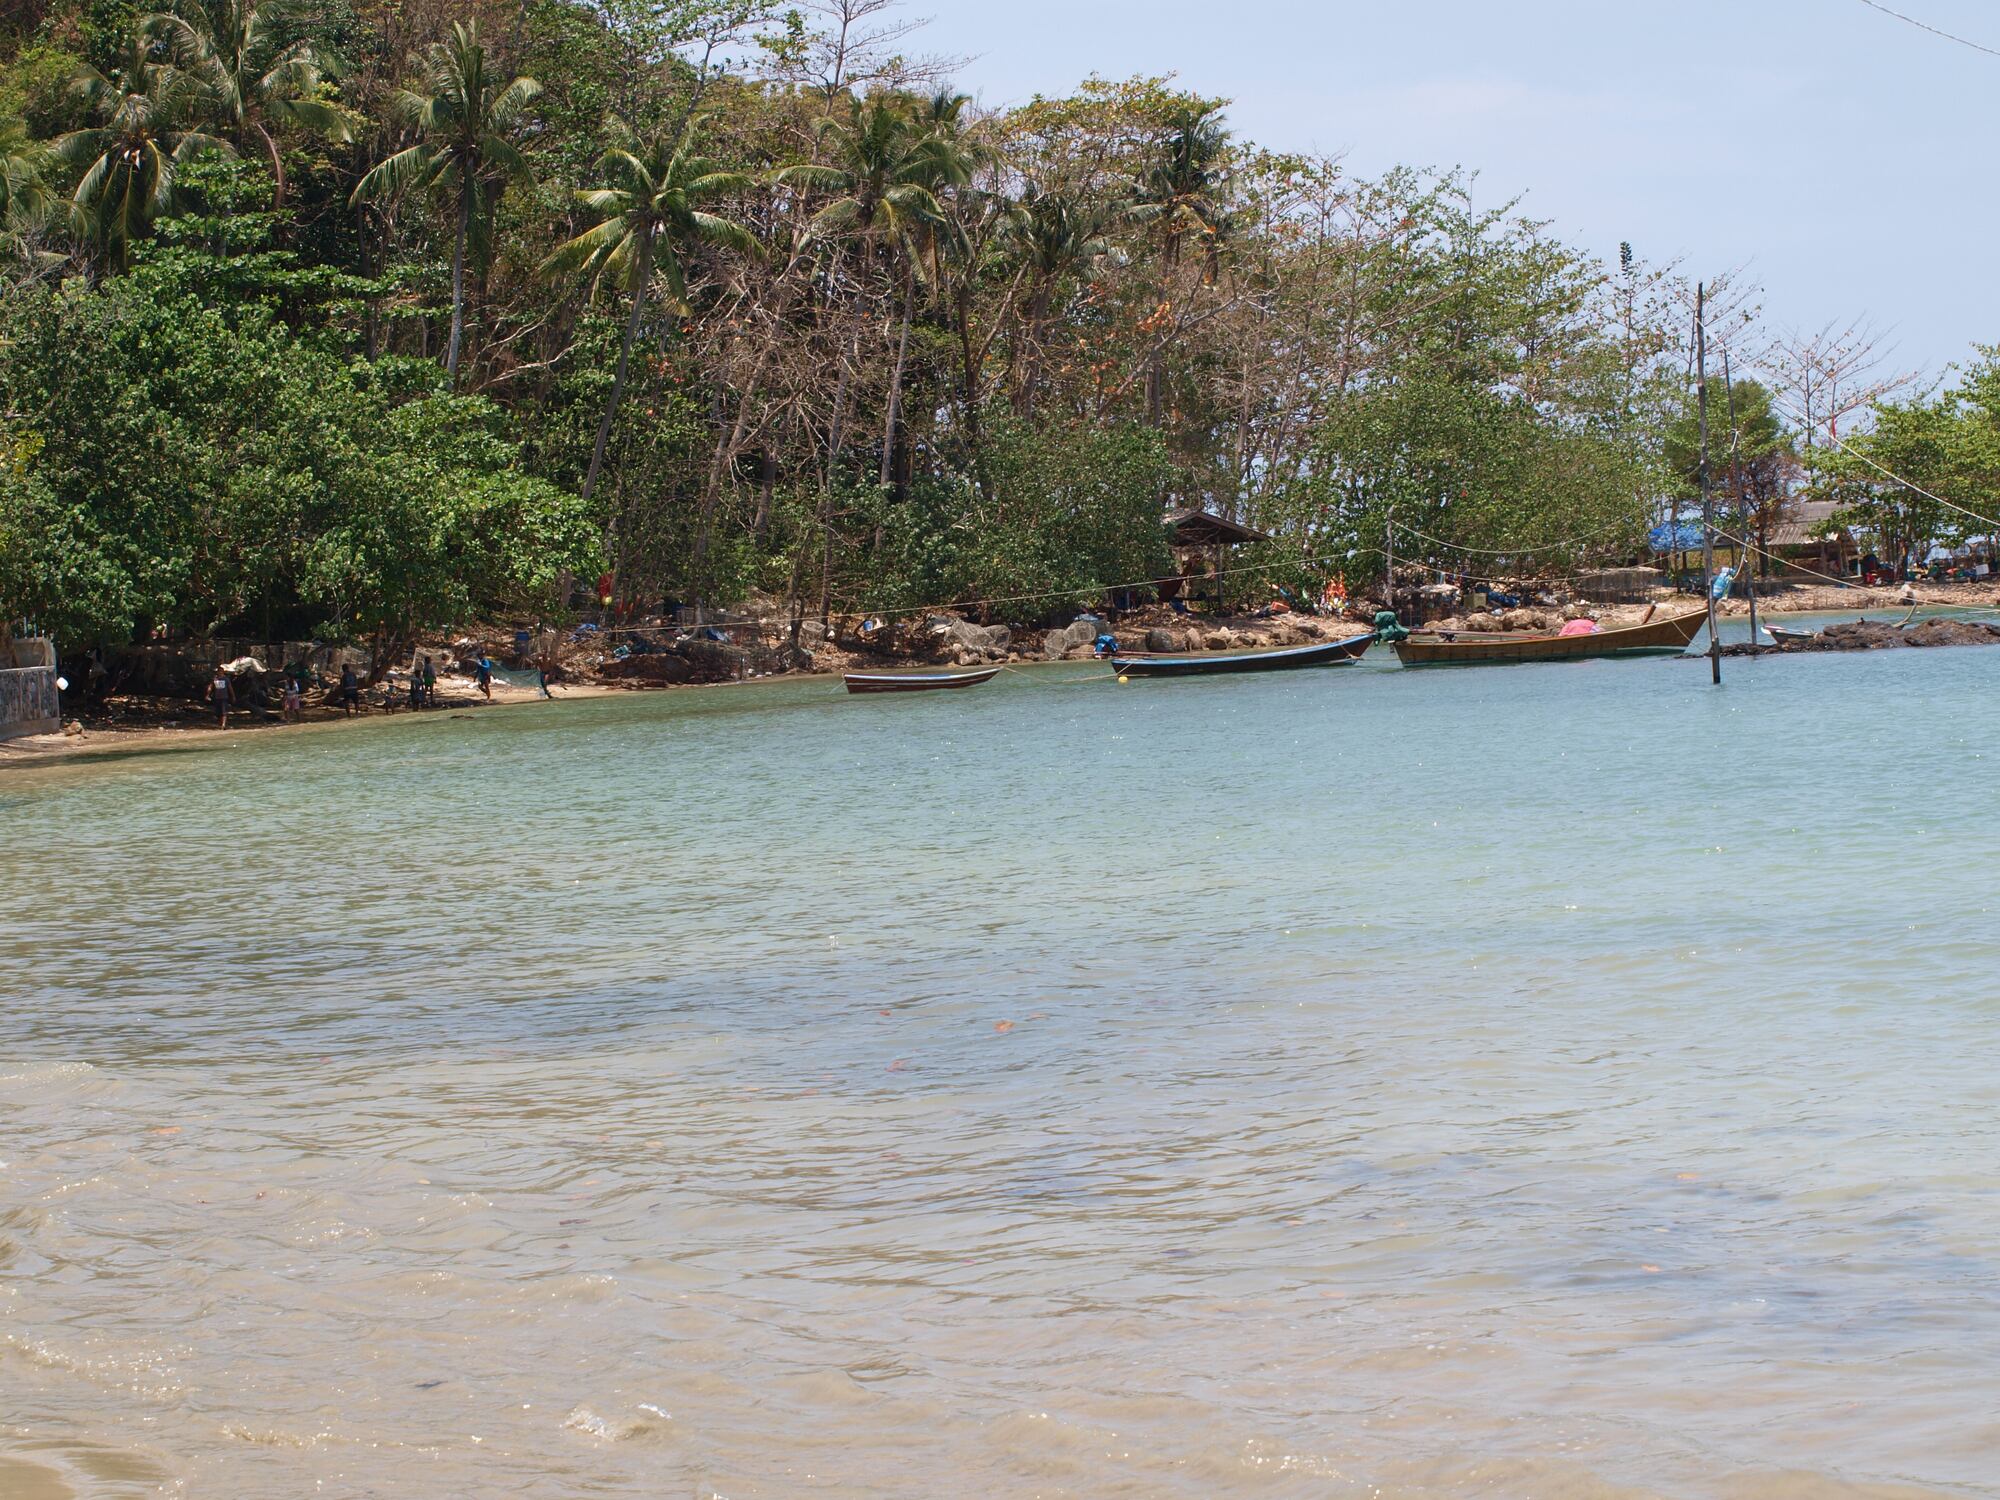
896, 379
458, 281
643, 279
277, 169
826, 494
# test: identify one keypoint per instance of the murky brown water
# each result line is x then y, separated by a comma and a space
1552, 1083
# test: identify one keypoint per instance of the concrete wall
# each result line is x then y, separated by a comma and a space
28, 702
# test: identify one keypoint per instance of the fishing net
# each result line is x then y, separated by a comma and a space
528, 679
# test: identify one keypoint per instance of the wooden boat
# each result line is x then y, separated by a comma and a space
916, 682
1785, 636
1323, 654
1651, 638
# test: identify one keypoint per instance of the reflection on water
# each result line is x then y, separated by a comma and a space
1547, 1081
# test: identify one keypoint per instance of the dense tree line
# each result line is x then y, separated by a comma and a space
363, 318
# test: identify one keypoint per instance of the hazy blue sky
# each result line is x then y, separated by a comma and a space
1848, 158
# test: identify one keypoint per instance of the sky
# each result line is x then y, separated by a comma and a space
1845, 159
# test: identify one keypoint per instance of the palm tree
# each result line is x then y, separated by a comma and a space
147, 114
1052, 234
886, 166
259, 75
646, 218
24, 164
1182, 193
463, 119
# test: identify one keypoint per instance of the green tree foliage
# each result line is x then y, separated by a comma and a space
365, 305
1945, 443
204, 470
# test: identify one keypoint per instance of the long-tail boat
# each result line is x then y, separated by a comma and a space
915, 682
1466, 648
1323, 654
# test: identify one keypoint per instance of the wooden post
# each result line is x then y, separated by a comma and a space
1747, 563
1389, 561
1707, 498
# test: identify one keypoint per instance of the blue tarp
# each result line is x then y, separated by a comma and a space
1677, 538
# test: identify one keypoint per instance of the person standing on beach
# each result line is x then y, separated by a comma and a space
350, 689
483, 675
221, 694
430, 684
294, 700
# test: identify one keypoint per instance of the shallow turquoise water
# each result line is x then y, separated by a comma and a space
1543, 1080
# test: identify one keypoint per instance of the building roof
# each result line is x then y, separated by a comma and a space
1806, 524
1200, 528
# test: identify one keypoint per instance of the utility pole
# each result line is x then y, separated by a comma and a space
1707, 498
1746, 562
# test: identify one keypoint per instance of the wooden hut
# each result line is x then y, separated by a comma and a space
1203, 540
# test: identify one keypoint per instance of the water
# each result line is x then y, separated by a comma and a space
1546, 1081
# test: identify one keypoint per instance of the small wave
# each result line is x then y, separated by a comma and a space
648, 1420
54, 1072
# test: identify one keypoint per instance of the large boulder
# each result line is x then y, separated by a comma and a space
946, 637
1162, 641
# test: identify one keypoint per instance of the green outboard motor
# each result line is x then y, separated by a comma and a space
1388, 629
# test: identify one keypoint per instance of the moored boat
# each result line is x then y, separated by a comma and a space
1649, 638
915, 682
1321, 654
1785, 636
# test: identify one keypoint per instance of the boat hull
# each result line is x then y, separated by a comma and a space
1323, 654
916, 682
1655, 638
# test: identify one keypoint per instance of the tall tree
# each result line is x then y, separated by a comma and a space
884, 165
1182, 193
465, 120
259, 72
647, 218
148, 118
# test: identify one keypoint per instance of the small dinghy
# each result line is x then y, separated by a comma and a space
916, 682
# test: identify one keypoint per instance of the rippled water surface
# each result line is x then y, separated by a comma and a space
1558, 1081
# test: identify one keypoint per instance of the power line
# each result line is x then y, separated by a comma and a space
1933, 30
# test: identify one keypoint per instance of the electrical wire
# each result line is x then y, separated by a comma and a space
1933, 30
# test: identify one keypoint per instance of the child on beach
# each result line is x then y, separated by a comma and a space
350, 690
221, 694
294, 701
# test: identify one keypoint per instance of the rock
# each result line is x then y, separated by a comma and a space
1952, 633
1164, 642
1079, 653
1219, 640
949, 636
1861, 635
1483, 624
1522, 619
